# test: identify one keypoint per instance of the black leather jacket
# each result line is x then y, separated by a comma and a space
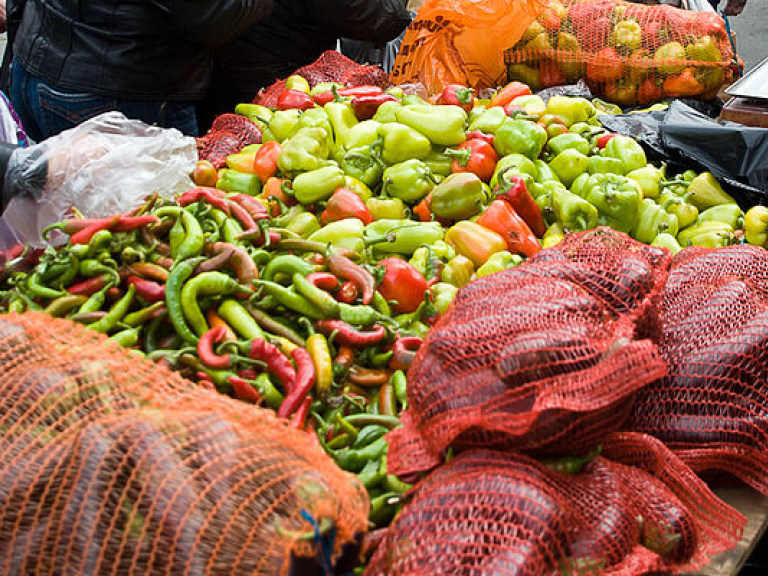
132, 49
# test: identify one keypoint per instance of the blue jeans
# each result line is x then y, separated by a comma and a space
46, 110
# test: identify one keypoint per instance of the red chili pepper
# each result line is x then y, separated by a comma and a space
149, 270
276, 362
403, 283
149, 290
265, 161
324, 280
244, 391
294, 99
500, 217
604, 138
345, 204
84, 236
239, 260
208, 195
345, 357
129, 223
475, 156
72, 225
513, 191
205, 348
344, 268
347, 335
477, 135
248, 373
404, 351
15, 251
256, 209
457, 95
366, 106
241, 215
90, 285
346, 92
305, 379
299, 418
368, 377
347, 293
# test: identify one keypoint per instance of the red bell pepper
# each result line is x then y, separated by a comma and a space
265, 160
502, 219
476, 134
402, 283
509, 92
457, 95
476, 156
366, 106
294, 99
345, 204
512, 189
346, 92
604, 138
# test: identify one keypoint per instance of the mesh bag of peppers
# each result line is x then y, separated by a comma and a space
627, 53
115, 464
636, 509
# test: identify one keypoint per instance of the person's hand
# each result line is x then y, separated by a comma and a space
734, 7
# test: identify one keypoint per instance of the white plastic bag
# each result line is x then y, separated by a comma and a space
106, 165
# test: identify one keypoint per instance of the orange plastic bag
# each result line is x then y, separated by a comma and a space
462, 41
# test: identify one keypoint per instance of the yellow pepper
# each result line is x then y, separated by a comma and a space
474, 241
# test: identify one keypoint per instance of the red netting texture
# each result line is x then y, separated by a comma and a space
115, 465
542, 358
229, 134
498, 513
628, 53
712, 408
331, 66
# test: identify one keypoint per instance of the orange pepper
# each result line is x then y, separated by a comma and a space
474, 241
265, 161
273, 189
214, 320
502, 218
683, 84
509, 92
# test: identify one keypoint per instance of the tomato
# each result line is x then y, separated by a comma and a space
204, 174
403, 283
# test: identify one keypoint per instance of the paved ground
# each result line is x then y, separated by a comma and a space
751, 28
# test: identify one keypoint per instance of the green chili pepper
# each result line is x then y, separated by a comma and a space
38, 290
142, 316
62, 305
402, 236
321, 299
115, 313
291, 300
127, 338
173, 288
571, 464
239, 319
286, 264
209, 284
354, 460
194, 239
96, 300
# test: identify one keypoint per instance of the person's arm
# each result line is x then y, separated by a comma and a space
375, 21
6, 191
215, 23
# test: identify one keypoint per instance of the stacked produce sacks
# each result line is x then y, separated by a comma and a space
627, 53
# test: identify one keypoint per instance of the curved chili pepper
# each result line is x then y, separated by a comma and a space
194, 239
404, 351
208, 284
173, 289
149, 270
347, 293
299, 418
148, 290
345, 357
115, 313
368, 377
140, 317
88, 317
242, 216
240, 261
326, 303
277, 363
71, 225
387, 400
216, 261
130, 223
302, 384
259, 237
323, 280
84, 235
205, 348
256, 209
62, 305
303, 245
210, 196
347, 335
344, 268
243, 390
272, 326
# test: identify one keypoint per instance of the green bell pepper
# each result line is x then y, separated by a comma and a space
666, 240
317, 185
401, 236
571, 109
649, 178
544, 173
444, 125
498, 262
387, 112
257, 113
572, 211
401, 142
705, 191
617, 200
409, 180
363, 164
347, 233
627, 150
283, 124
342, 118
520, 137
304, 224
363, 134
569, 165
438, 162
304, 151
532, 104
233, 181
514, 164
386, 208
459, 197
604, 165
709, 234
729, 213
652, 219
566, 141
686, 213
443, 295
489, 120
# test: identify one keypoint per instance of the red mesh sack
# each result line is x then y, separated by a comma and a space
637, 510
541, 358
229, 134
627, 53
113, 464
331, 66
712, 409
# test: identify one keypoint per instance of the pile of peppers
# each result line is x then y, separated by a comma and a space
305, 274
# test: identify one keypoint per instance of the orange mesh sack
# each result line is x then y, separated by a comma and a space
229, 134
489, 512
114, 465
331, 66
542, 358
712, 408
627, 53
461, 41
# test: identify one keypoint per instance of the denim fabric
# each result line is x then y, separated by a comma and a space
45, 110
